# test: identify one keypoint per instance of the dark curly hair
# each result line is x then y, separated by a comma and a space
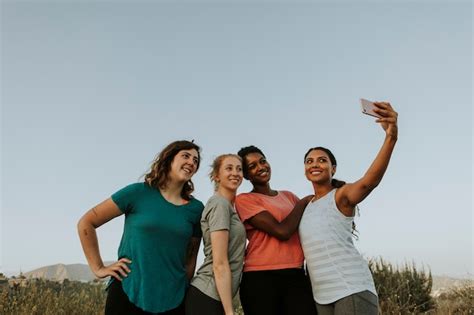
157, 177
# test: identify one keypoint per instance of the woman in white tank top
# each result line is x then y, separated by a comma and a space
340, 277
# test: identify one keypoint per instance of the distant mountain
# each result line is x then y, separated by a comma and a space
59, 272
81, 272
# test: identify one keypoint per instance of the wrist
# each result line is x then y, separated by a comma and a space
391, 137
97, 268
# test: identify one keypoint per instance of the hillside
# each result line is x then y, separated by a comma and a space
59, 272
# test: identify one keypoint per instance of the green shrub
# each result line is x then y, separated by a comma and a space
37, 296
404, 290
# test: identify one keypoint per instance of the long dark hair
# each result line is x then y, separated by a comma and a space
335, 182
157, 177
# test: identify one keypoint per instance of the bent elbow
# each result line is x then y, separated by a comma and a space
283, 235
85, 223
219, 267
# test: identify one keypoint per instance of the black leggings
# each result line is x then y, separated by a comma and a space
198, 303
117, 303
277, 292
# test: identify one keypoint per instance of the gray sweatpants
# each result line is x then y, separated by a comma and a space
362, 303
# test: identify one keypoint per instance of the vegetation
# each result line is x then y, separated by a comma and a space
405, 290
456, 300
402, 290
46, 297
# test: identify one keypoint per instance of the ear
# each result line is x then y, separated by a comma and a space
333, 170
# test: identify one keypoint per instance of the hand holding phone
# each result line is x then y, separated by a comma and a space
368, 108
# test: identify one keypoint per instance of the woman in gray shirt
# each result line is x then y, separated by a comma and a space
217, 280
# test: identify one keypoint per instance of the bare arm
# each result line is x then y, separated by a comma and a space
283, 230
350, 195
191, 256
221, 268
100, 214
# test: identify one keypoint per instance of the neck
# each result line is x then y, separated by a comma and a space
321, 190
264, 189
227, 194
172, 192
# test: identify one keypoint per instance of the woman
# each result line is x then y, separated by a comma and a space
273, 281
161, 237
340, 277
217, 281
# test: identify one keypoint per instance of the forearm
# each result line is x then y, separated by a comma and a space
190, 269
377, 169
90, 244
223, 277
191, 256
292, 221
283, 230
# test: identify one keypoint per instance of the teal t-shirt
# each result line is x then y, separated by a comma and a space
155, 238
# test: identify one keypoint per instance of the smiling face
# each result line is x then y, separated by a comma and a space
229, 177
318, 167
258, 169
184, 165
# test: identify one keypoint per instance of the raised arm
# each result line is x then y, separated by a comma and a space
221, 268
283, 230
351, 194
100, 214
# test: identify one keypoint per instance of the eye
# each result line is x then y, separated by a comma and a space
196, 161
308, 161
251, 166
322, 160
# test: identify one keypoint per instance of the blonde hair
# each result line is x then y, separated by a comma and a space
216, 165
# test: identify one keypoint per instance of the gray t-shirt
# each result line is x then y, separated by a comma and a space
219, 214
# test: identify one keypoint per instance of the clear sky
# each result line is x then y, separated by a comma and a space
92, 91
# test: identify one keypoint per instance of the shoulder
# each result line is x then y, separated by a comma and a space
217, 200
289, 195
132, 189
195, 203
246, 197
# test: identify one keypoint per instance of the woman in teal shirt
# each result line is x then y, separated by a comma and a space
161, 237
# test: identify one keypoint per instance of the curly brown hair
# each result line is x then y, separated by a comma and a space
157, 177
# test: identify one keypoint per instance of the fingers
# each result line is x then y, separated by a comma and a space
115, 275
385, 110
118, 270
124, 263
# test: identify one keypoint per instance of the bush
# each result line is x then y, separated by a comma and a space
46, 297
402, 290
459, 300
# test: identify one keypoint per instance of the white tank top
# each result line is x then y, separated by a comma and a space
335, 266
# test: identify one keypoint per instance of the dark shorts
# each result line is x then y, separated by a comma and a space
117, 303
277, 292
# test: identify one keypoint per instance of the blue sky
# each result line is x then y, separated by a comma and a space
91, 91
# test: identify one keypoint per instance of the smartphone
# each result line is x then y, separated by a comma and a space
368, 108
